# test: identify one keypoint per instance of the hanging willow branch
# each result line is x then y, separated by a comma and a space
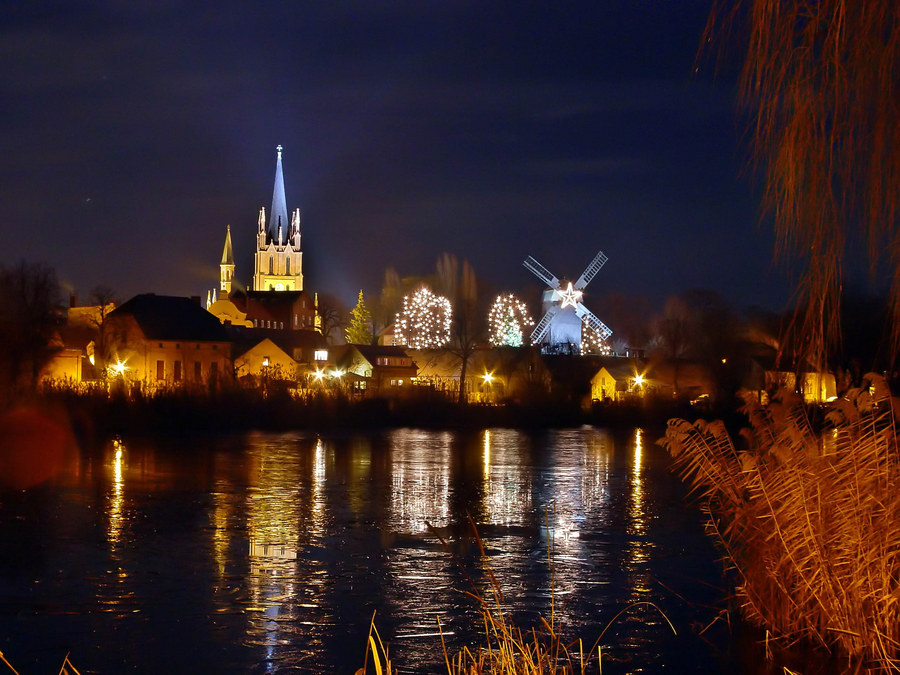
820, 83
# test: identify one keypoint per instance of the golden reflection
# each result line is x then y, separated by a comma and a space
638, 524
639, 548
507, 497
317, 516
221, 512
277, 472
421, 480
115, 509
487, 453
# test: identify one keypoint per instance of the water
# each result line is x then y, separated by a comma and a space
270, 552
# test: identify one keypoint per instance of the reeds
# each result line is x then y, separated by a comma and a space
507, 649
810, 522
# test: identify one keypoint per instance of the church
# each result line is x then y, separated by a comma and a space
275, 299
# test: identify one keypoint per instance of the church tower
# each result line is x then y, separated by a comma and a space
278, 263
226, 267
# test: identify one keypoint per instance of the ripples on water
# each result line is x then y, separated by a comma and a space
270, 553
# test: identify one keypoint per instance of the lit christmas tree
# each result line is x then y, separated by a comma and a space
359, 332
507, 320
423, 321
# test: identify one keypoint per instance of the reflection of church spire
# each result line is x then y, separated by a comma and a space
278, 218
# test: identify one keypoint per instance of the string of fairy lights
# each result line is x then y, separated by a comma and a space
507, 321
423, 321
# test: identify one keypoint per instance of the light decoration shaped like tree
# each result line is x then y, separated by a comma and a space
592, 342
423, 321
507, 320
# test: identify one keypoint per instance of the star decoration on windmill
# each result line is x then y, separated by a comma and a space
564, 313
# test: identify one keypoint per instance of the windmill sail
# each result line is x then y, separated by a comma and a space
543, 325
591, 270
541, 272
591, 320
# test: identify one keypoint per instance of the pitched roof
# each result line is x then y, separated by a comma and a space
166, 317
245, 338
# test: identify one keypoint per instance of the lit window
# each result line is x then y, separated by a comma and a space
265, 361
321, 355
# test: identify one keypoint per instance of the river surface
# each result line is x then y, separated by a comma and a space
270, 552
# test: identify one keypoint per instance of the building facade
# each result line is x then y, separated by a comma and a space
278, 263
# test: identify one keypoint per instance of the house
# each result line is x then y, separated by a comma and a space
385, 370
265, 358
285, 310
166, 340
768, 375
621, 379
307, 350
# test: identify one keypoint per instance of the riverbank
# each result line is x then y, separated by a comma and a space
97, 415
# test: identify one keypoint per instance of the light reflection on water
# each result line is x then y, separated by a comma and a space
274, 550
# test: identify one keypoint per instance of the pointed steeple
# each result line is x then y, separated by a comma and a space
227, 253
226, 267
294, 239
278, 217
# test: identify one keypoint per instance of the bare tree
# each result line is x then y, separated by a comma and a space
820, 84
674, 331
30, 313
332, 314
459, 284
104, 300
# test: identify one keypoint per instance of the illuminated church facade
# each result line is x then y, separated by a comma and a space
276, 298
278, 263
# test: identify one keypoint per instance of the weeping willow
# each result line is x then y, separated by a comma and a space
819, 83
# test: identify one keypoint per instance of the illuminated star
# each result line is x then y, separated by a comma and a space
569, 296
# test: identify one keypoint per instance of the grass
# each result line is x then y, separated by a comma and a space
809, 521
506, 649
64, 669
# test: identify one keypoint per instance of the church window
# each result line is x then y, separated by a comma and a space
196, 370
213, 367
268, 323
287, 266
271, 265
176, 374
295, 321
160, 370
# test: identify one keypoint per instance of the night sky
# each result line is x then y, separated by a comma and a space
133, 132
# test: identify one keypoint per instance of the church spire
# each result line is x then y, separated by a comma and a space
279, 216
226, 267
227, 253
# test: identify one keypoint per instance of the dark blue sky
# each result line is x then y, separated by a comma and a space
133, 132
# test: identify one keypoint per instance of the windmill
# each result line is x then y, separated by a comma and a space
564, 312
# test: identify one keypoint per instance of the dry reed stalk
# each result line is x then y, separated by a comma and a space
811, 524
